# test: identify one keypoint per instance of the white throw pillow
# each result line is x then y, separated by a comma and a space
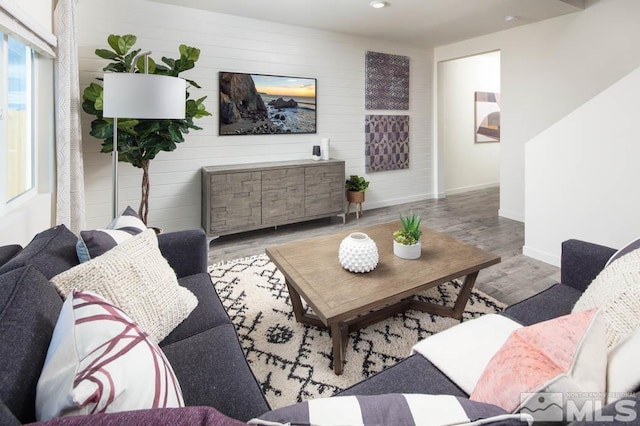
623, 370
100, 361
616, 292
471, 343
135, 277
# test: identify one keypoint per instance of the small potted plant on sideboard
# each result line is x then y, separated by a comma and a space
356, 187
406, 241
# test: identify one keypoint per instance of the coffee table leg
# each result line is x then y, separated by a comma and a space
463, 296
339, 335
296, 302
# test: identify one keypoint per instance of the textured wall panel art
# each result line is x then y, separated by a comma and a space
387, 142
487, 116
387, 81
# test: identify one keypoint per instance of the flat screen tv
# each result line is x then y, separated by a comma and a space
259, 104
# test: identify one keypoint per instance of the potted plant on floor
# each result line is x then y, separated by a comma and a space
356, 187
406, 241
139, 141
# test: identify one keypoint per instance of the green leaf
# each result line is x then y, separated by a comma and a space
127, 125
193, 83
170, 62
141, 65
106, 54
125, 43
101, 129
92, 92
189, 53
113, 41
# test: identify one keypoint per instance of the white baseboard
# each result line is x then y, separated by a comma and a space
367, 205
471, 188
541, 256
511, 215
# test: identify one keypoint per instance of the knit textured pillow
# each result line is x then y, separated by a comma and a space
616, 292
100, 361
98, 241
563, 355
135, 277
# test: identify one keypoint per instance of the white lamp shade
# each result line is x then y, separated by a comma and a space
128, 95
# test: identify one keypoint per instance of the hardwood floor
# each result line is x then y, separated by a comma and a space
471, 217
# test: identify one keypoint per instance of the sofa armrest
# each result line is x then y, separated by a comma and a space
7, 252
581, 262
186, 251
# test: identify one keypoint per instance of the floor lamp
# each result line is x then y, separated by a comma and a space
139, 96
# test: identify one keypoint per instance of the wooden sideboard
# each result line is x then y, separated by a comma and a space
243, 197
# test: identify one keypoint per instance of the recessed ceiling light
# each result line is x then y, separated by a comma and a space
378, 4
510, 18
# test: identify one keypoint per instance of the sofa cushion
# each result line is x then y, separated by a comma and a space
553, 302
616, 292
212, 370
208, 314
387, 409
7, 252
414, 374
565, 354
51, 252
96, 242
135, 277
101, 361
29, 309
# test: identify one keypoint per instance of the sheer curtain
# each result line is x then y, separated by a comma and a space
70, 202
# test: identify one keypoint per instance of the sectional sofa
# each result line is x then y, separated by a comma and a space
217, 383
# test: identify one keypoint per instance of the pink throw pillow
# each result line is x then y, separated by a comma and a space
565, 354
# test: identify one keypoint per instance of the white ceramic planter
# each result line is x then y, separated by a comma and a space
358, 253
407, 252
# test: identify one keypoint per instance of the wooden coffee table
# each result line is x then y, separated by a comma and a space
343, 301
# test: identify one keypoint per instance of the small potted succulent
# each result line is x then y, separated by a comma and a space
406, 241
356, 186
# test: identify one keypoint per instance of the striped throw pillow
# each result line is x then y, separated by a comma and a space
101, 361
98, 241
388, 409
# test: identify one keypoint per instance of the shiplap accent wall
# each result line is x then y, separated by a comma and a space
230, 43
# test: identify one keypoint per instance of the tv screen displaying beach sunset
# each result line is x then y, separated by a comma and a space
266, 104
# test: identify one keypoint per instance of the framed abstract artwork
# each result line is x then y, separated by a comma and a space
487, 117
386, 143
387, 81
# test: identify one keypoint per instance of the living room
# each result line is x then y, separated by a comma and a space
565, 172
552, 71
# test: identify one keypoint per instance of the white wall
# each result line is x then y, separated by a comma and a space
466, 165
595, 151
230, 43
549, 70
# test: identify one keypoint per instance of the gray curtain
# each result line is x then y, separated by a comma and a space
70, 198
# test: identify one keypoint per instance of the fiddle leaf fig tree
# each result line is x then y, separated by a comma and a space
139, 141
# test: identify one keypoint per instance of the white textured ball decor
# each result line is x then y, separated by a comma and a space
358, 253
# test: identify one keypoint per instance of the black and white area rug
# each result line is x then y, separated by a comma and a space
293, 361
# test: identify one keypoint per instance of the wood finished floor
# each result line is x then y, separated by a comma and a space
471, 217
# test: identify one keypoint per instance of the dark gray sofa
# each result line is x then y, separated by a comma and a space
581, 262
204, 350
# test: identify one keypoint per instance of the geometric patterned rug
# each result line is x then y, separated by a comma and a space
292, 361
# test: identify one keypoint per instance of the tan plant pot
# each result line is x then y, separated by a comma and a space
355, 197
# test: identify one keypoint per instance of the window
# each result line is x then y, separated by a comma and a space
16, 118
